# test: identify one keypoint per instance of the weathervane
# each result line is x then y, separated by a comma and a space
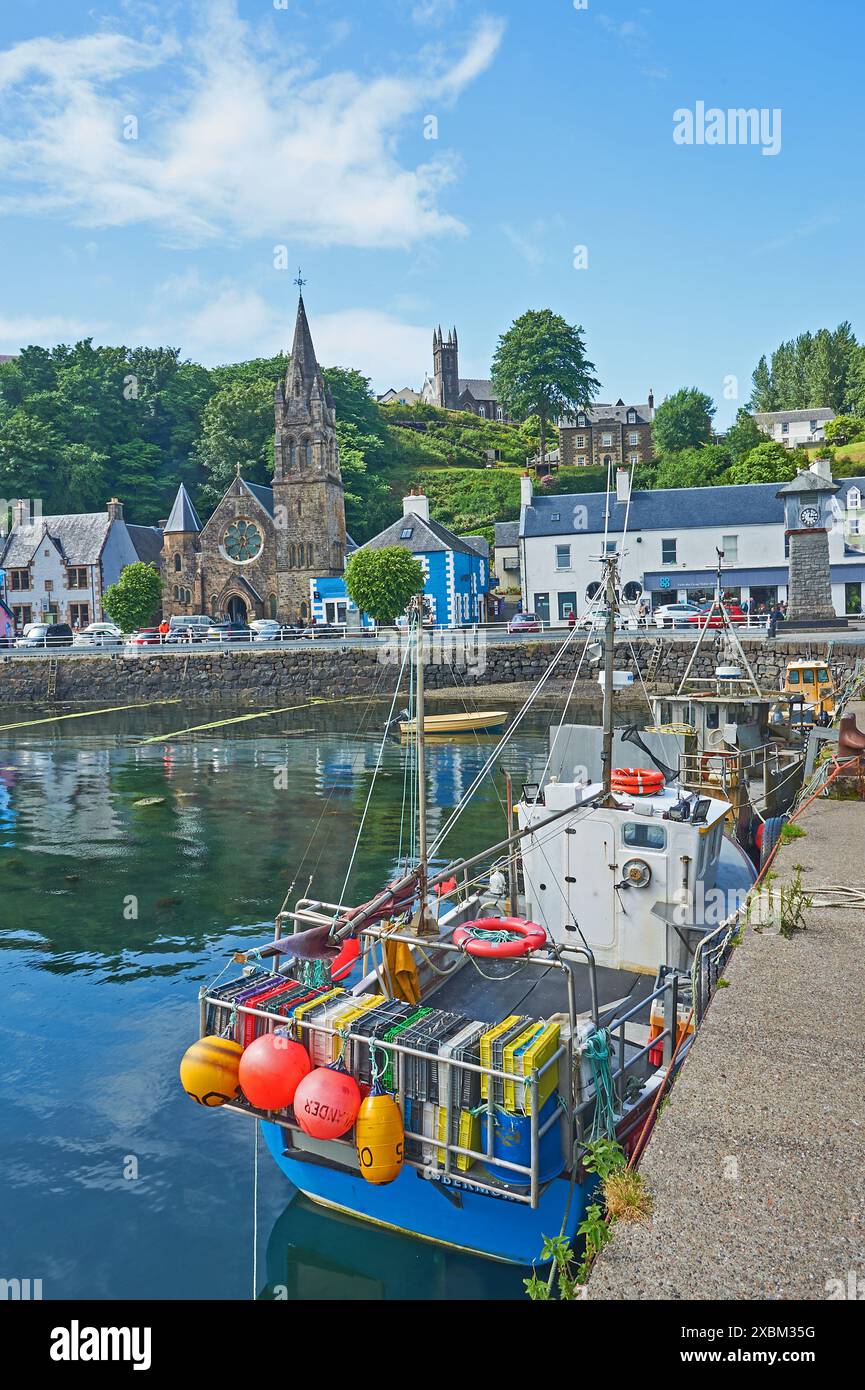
299, 280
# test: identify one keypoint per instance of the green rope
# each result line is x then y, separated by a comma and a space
597, 1049
496, 937
314, 973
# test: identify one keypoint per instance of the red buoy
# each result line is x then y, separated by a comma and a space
326, 1103
271, 1069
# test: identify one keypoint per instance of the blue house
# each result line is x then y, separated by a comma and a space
456, 567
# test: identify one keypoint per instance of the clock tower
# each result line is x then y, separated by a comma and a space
807, 520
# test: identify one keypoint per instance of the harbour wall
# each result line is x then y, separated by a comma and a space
261, 677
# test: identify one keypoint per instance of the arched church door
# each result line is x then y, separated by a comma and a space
236, 610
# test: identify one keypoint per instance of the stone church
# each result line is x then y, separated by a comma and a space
258, 553
446, 388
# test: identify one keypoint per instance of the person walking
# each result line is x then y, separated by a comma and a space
772, 620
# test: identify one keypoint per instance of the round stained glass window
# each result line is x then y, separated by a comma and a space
243, 540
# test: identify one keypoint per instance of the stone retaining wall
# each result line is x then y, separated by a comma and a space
258, 677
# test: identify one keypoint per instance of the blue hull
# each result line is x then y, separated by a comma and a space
450, 1215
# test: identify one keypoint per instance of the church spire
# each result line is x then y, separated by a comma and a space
304, 375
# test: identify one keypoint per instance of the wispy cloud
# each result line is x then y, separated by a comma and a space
806, 229
245, 148
18, 332
527, 241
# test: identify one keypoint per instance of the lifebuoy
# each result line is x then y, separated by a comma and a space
529, 937
706, 769
637, 781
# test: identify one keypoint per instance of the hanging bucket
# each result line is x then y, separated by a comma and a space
512, 1141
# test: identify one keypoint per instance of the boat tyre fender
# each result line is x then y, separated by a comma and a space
499, 937
772, 827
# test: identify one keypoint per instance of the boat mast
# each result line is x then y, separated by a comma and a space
609, 654
420, 745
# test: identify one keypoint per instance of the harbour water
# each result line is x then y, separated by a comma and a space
128, 872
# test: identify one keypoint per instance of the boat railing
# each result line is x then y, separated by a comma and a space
710, 957
725, 767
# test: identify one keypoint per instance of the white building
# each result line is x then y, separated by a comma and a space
672, 536
792, 427
56, 568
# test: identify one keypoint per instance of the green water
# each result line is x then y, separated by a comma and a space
112, 1183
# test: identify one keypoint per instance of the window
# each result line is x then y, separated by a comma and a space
542, 607
22, 615
299, 507
668, 551
854, 499
793, 677
500, 414
79, 614
563, 557
785, 428
606, 439
19, 579
632, 418
177, 563
555, 516
49, 586
482, 410
813, 426
582, 461
580, 441
582, 421
644, 836
822, 676
610, 547
76, 577
567, 605
309, 555
635, 459
292, 557
853, 599
633, 437
292, 454
214, 605
308, 452
730, 547
272, 605
406, 533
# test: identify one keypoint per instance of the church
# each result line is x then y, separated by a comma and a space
262, 547
447, 389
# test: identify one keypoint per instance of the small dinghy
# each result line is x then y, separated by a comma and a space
482, 721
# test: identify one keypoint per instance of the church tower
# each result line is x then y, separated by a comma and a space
446, 368
309, 509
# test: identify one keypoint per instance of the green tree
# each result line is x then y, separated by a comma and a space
134, 600
763, 395
743, 436
849, 428
540, 368
381, 582
683, 421
237, 427
697, 467
770, 462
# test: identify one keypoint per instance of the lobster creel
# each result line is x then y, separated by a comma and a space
502, 937
637, 781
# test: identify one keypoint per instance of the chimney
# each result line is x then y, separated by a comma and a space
416, 504
526, 493
623, 485
115, 510
162, 523
651, 404
822, 468
21, 512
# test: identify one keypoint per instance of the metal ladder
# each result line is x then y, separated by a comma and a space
52, 678
654, 660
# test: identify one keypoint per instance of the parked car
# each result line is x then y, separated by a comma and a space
98, 635
260, 625
229, 632
193, 628
46, 635
674, 614
280, 632
317, 630
525, 622
597, 621
145, 637
702, 619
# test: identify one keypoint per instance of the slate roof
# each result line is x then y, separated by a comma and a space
426, 536
673, 509
774, 417
507, 532
147, 541
262, 494
79, 537
481, 390
479, 544
600, 412
807, 482
183, 516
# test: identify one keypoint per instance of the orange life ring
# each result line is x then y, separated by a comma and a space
530, 936
706, 768
637, 781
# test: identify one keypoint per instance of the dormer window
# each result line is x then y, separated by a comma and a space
406, 533
854, 499
632, 417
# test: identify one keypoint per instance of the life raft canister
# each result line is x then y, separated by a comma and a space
637, 781
484, 938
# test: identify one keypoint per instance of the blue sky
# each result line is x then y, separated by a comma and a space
300, 124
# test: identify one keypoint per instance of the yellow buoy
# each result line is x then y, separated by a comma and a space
379, 1135
208, 1072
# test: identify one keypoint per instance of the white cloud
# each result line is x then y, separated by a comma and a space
25, 331
246, 147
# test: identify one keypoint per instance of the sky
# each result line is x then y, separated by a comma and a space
166, 168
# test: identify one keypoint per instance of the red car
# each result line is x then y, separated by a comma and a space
702, 619
525, 622
145, 637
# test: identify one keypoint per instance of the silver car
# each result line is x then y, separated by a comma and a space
674, 614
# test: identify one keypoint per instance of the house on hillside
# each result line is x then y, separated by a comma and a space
603, 435
792, 427
457, 571
57, 568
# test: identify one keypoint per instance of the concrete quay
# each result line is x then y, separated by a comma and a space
756, 1162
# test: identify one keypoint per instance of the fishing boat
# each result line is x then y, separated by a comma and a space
459, 1042
467, 722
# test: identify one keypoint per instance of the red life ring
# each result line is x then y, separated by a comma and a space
530, 936
637, 781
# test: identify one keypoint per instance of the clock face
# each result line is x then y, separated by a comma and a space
243, 540
809, 516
